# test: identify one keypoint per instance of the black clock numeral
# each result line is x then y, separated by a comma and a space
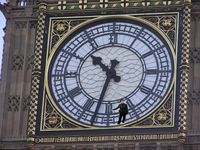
151, 71
145, 89
113, 38
113, 35
70, 75
147, 54
66, 75
88, 104
74, 92
108, 108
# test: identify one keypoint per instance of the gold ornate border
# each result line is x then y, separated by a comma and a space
36, 73
184, 67
109, 5
132, 17
105, 138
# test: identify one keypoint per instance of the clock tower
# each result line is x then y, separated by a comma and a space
89, 55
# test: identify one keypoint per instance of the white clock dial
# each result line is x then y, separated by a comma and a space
130, 69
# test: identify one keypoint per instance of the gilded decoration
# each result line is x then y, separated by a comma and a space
167, 23
184, 70
36, 71
90, 5
163, 117
53, 120
62, 27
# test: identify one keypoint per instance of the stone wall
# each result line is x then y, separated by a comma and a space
16, 74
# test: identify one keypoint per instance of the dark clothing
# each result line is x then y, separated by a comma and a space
123, 111
123, 108
120, 118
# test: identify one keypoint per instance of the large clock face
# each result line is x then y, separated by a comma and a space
106, 60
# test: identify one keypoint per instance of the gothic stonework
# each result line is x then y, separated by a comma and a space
30, 61
194, 97
13, 103
195, 55
20, 24
26, 102
17, 62
195, 17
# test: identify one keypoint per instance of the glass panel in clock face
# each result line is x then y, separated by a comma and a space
87, 93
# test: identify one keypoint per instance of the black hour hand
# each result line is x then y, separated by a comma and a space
112, 71
97, 61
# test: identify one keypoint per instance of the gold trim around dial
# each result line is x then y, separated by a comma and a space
90, 22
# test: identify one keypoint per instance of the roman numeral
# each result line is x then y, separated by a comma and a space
147, 54
74, 92
70, 75
113, 35
145, 89
66, 75
151, 71
88, 104
113, 38
108, 108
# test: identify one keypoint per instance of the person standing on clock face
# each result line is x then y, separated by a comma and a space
123, 110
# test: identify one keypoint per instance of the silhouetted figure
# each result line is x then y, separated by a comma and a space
123, 111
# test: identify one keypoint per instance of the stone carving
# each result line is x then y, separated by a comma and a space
13, 103
194, 96
26, 102
20, 25
30, 62
33, 25
195, 55
17, 62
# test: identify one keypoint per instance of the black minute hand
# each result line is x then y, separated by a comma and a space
100, 99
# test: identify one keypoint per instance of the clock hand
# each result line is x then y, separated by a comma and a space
97, 61
112, 71
101, 98
110, 74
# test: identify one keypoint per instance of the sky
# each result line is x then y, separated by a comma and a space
2, 25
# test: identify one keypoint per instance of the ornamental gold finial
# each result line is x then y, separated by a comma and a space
167, 22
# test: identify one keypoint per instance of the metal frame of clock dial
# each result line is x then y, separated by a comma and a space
105, 60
